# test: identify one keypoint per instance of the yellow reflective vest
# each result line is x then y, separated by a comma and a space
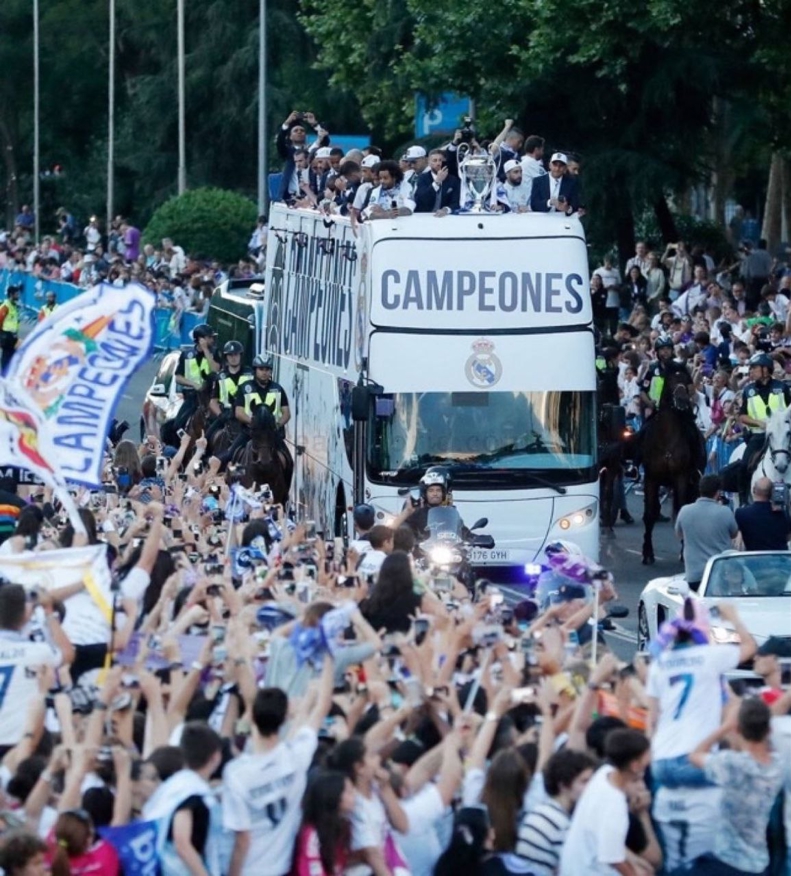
228, 385
195, 371
760, 410
253, 395
11, 321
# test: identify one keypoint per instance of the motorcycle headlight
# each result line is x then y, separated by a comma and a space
441, 555
724, 636
579, 518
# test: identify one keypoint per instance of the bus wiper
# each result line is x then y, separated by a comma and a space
536, 479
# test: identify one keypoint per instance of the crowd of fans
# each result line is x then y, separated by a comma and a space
181, 281
716, 316
280, 702
363, 184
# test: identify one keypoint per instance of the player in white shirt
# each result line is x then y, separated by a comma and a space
19, 657
262, 791
685, 689
596, 840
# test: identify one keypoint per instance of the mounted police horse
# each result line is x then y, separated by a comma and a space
774, 461
673, 454
265, 459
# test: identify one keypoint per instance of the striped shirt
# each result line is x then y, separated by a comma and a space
541, 836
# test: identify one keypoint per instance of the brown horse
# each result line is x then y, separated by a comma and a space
199, 419
264, 459
673, 454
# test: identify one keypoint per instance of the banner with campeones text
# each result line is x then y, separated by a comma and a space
74, 366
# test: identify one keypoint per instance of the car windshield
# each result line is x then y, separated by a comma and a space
744, 575
549, 433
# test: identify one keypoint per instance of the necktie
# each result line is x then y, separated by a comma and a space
438, 198
555, 187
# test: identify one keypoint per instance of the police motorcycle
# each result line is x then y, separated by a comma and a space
445, 554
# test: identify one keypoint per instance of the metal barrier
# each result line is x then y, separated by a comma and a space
170, 333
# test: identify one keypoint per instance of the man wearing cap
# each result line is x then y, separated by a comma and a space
416, 161
517, 188
9, 325
369, 170
290, 137
437, 191
557, 192
763, 526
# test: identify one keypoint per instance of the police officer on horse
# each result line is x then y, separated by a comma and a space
229, 381
761, 397
653, 383
261, 390
193, 367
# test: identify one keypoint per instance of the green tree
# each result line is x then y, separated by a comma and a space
208, 222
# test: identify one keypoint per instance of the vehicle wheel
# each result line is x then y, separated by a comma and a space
643, 633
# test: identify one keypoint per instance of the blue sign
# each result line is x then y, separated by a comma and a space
350, 141
442, 118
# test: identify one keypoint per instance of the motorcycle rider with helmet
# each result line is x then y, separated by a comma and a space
231, 377
192, 369
434, 492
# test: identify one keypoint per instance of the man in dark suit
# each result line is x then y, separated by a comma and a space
292, 136
556, 191
436, 190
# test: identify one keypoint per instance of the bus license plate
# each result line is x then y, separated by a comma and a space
489, 556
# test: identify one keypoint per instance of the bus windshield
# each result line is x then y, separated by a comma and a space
481, 434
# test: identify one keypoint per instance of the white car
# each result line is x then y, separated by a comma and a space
757, 583
163, 399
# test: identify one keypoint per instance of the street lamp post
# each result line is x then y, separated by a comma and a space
263, 187
182, 175
36, 110
111, 119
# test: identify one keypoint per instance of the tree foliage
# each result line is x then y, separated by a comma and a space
208, 222
633, 89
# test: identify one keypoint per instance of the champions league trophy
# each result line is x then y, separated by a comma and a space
478, 174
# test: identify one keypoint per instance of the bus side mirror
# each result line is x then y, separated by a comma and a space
361, 404
362, 397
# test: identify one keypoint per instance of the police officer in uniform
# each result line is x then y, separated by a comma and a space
193, 367
761, 397
9, 325
261, 390
654, 381
50, 304
229, 380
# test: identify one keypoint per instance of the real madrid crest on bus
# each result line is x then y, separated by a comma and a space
483, 368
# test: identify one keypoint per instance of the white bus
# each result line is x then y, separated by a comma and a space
464, 341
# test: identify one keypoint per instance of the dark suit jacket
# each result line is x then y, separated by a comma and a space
426, 196
569, 189
285, 150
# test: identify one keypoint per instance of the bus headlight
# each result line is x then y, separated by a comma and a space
579, 518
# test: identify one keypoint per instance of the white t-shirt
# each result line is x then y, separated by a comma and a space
371, 563
597, 835
84, 622
687, 681
420, 844
262, 794
17, 691
687, 818
370, 828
